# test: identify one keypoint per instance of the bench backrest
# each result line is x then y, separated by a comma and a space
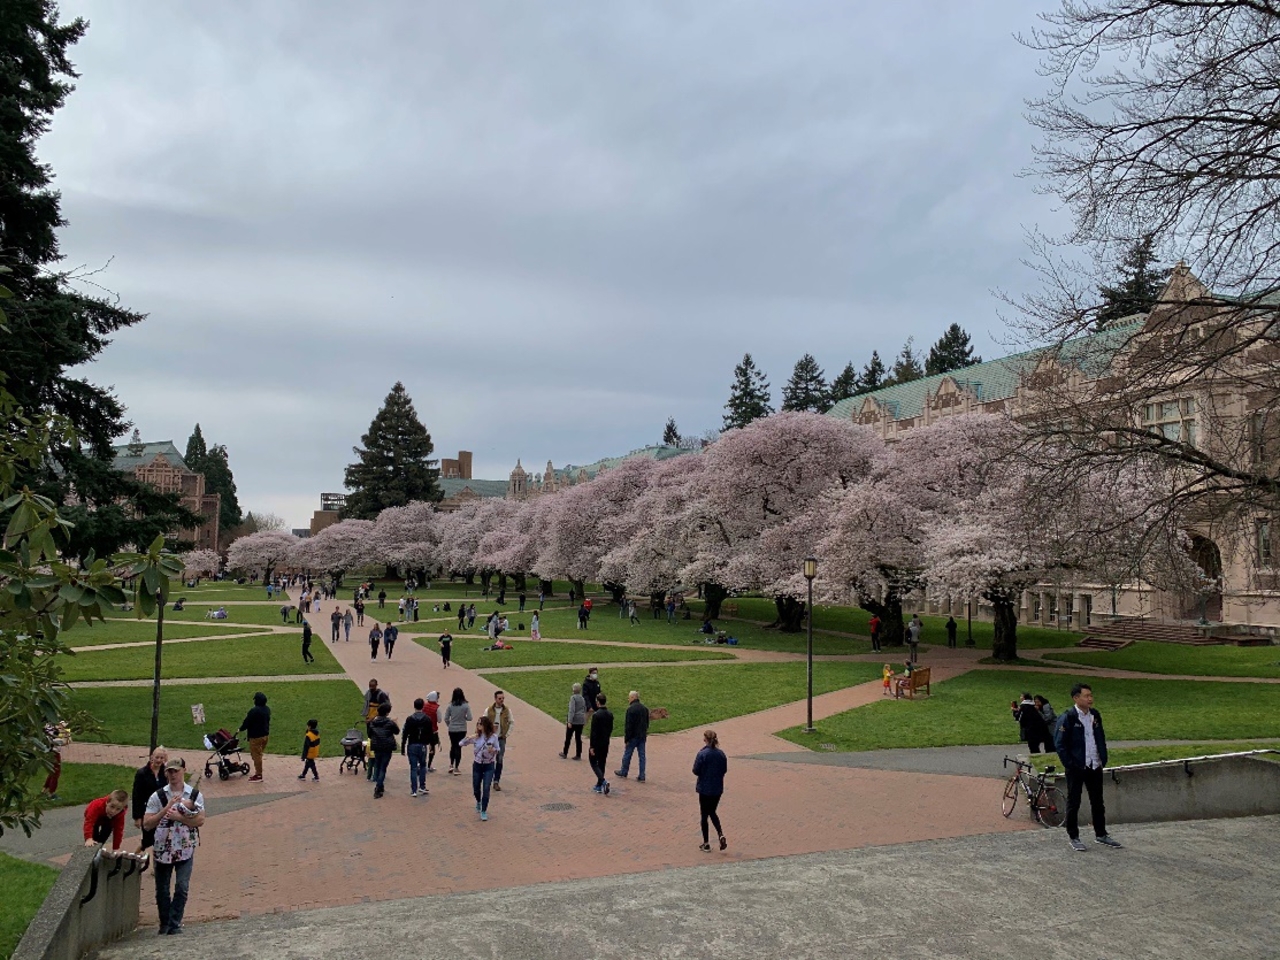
919, 677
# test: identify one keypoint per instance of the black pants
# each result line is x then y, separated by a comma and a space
1090, 780
455, 747
707, 804
875, 643
572, 733
306, 653
599, 760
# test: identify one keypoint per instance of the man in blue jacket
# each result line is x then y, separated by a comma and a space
1082, 747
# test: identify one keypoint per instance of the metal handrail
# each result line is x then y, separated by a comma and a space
1186, 760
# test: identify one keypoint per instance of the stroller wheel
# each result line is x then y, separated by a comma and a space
223, 773
208, 772
244, 768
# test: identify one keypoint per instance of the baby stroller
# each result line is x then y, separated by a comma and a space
353, 752
224, 746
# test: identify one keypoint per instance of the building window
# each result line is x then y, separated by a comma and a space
1264, 543
1173, 419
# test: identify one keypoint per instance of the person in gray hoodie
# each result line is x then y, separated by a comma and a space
457, 715
574, 722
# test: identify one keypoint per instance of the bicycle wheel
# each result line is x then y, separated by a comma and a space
1010, 796
1051, 807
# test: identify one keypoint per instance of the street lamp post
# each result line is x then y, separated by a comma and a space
810, 571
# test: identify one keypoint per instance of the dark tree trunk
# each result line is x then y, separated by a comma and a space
714, 594
521, 581
892, 630
790, 614
393, 572
502, 584
1004, 643
469, 578
486, 580
617, 591
545, 587
656, 601
580, 590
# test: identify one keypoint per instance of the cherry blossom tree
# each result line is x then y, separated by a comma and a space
201, 563
408, 538
260, 553
338, 548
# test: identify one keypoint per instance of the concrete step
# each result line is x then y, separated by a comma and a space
1109, 644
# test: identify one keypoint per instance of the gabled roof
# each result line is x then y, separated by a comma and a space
126, 462
995, 379
452, 486
654, 452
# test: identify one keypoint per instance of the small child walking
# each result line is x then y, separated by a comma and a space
310, 750
887, 675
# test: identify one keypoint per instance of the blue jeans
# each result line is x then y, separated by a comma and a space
417, 753
636, 745
171, 908
481, 781
381, 760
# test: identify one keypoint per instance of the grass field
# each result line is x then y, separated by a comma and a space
142, 631
265, 614
854, 620
467, 652
125, 714
265, 655
694, 695
1176, 658
974, 709
82, 782
23, 887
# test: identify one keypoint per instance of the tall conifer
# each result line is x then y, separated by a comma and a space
749, 395
394, 466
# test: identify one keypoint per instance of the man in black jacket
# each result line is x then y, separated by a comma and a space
418, 732
257, 725
382, 742
635, 731
306, 643
601, 731
1082, 748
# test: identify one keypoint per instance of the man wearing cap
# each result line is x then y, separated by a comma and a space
176, 813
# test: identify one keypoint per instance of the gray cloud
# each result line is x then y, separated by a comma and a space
557, 224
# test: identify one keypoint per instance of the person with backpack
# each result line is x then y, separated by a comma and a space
382, 743
175, 813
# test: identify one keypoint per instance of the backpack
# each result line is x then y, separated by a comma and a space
195, 793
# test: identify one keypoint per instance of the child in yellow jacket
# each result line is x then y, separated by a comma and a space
310, 750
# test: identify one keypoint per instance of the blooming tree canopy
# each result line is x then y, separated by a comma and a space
337, 548
260, 553
201, 563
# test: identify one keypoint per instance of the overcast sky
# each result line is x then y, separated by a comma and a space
557, 223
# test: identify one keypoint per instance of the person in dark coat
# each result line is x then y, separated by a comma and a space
591, 690
306, 643
710, 766
951, 632
382, 742
601, 731
635, 727
257, 725
1082, 747
147, 780
1034, 731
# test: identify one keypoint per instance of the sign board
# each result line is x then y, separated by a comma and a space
197, 714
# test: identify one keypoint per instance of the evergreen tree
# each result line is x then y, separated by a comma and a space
394, 466
670, 435
807, 388
749, 395
907, 366
845, 385
1138, 287
873, 374
53, 328
196, 450
219, 479
951, 352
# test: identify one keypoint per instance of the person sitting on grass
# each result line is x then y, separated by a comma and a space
104, 819
707, 627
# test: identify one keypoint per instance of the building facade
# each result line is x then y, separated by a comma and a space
160, 466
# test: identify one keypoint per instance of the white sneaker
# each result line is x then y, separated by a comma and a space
413, 793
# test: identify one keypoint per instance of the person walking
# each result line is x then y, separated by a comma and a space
174, 816
359, 605
521, 598
542, 597
471, 616
373, 698
389, 638
635, 731
631, 613
575, 720
591, 690
499, 715
1082, 747
310, 751
382, 742
382, 599
335, 624
414, 744
375, 638
710, 766
462, 617
432, 710
446, 648
147, 779
306, 643
582, 616
346, 625
257, 724
535, 627
1032, 728
485, 749
456, 717
598, 744
951, 632
913, 637
873, 627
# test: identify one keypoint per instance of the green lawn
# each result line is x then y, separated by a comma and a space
694, 695
23, 887
468, 652
974, 709
1176, 658
141, 631
855, 619
82, 782
256, 613
266, 655
125, 714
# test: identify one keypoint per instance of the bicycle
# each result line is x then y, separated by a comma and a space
1047, 803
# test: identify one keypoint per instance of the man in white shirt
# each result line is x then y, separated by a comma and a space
1082, 747
176, 813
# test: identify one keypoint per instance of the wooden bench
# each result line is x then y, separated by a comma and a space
919, 680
